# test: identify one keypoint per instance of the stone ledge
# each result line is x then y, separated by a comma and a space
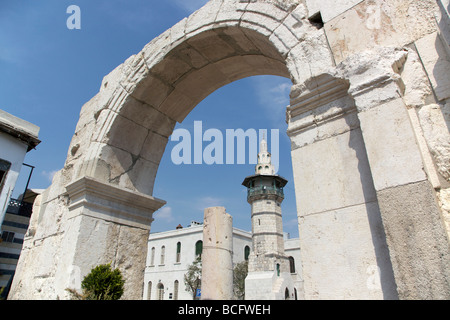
326, 94
97, 199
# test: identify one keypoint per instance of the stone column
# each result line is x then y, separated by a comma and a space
217, 256
344, 253
102, 224
416, 236
111, 225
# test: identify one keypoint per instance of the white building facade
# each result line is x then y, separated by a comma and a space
171, 252
17, 137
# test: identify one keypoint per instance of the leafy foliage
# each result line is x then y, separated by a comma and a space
239, 274
102, 283
193, 277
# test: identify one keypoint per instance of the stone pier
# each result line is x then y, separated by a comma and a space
217, 256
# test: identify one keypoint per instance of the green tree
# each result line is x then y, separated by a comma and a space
102, 283
193, 276
239, 274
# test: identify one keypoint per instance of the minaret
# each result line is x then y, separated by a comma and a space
265, 195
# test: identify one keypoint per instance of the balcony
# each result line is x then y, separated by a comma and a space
264, 190
20, 208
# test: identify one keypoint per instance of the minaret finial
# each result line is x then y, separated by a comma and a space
264, 165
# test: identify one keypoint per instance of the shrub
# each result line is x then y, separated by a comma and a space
102, 283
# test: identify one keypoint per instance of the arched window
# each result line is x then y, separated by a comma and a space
178, 257
175, 290
149, 290
152, 257
292, 264
163, 254
246, 252
278, 269
160, 291
286, 294
198, 248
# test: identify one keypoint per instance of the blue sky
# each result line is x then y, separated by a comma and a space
47, 73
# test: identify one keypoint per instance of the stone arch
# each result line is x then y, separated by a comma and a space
99, 207
105, 188
145, 96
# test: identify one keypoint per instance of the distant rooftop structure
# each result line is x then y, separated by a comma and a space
195, 223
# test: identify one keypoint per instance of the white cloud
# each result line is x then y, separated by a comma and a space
208, 202
165, 214
49, 174
273, 92
273, 97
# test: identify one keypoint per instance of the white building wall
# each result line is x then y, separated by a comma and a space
13, 151
170, 271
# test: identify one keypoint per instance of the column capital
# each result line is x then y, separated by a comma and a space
91, 197
374, 76
326, 93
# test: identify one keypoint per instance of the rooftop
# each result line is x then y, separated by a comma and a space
19, 129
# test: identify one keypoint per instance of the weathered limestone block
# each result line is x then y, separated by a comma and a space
342, 261
437, 64
417, 241
217, 256
41, 251
201, 19
344, 153
444, 203
269, 17
381, 23
310, 58
329, 8
437, 135
393, 153
418, 91
443, 20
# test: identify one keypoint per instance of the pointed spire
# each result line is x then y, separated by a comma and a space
264, 165
263, 145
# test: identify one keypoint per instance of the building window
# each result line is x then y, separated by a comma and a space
246, 252
178, 257
4, 168
160, 291
163, 254
152, 257
8, 236
278, 269
292, 264
198, 248
175, 290
149, 290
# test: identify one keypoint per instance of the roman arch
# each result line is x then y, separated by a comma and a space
365, 178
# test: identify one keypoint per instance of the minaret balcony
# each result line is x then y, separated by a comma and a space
262, 191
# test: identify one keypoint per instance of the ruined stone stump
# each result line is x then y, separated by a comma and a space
217, 259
